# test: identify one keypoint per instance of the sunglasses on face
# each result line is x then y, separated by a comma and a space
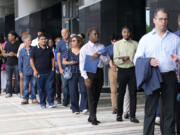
73, 40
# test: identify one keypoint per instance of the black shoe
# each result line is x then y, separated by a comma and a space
119, 118
58, 101
89, 119
65, 105
98, 121
94, 122
126, 116
134, 120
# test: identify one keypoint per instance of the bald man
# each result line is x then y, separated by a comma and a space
62, 46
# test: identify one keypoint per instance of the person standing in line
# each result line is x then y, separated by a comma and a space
57, 75
76, 83
124, 51
62, 47
3, 68
113, 74
35, 41
178, 103
1, 50
163, 47
42, 63
10, 52
93, 81
22, 45
26, 71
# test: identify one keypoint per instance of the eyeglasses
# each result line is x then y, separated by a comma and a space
162, 19
73, 40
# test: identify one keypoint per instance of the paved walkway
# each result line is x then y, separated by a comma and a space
17, 119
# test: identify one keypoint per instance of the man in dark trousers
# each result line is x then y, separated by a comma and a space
93, 81
42, 63
178, 103
11, 49
163, 47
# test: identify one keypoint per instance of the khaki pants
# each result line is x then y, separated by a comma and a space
113, 86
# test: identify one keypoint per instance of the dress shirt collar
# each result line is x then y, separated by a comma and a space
124, 40
153, 32
92, 44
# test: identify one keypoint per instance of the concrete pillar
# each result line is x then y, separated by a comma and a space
29, 15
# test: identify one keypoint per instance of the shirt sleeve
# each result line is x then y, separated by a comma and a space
178, 48
20, 62
82, 56
32, 54
58, 49
140, 50
104, 59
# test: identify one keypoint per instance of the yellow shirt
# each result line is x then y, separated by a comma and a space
125, 48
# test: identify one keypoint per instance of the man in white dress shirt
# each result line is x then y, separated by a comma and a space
35, 41
93, 81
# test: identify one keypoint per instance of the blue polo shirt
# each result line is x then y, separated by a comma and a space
62, 47
42, 59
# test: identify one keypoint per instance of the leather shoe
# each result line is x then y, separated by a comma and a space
134, 120
94, 122
126, 116
119, 118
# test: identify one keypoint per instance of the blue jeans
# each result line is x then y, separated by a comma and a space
10, 70
45, 88
74, 83
65, 87
29, 79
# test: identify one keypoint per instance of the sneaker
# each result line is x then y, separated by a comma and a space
24, 102
34, 101
114, 111
52, 106
157, 121
76, 113
8, 95
43, 107
85, 111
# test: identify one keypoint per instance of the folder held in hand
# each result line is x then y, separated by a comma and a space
90, 64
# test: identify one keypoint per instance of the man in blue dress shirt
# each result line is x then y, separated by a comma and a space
163, 47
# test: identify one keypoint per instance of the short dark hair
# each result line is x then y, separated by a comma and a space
160, 9
13, 33
92, 29
41, 35
126, 27
83, 35
114, 37
79, 40
41, 30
